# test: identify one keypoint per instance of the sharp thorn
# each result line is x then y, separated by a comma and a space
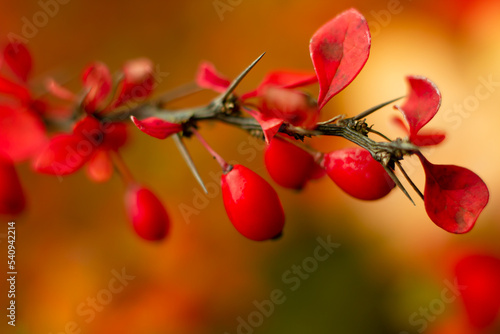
398, 183
240, 77
375, 108
187, 157
414, 186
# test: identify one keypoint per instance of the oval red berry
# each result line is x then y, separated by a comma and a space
288, 165
147, 214
358, 174
252, 205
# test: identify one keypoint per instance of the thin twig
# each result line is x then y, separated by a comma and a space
214, 154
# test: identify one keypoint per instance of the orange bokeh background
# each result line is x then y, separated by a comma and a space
392, 259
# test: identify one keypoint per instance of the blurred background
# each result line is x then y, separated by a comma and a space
392, 270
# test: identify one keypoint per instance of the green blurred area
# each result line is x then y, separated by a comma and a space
391, 260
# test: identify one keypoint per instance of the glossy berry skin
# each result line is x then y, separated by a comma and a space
252, 205
357, 173
147, 214
288, 165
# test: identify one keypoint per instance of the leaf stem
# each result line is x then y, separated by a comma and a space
122, 168
220, 160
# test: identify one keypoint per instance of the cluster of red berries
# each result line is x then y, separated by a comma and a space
277, 110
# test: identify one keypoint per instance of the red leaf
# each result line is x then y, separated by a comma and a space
63, 155
289, 105
18, 58
11, 88
421, 139
208, 77
270, 125
479, 275
115, 135
22, 133
454, 196
156, 127
283, 79
97, 80
428, 139
422, 103
339, 50
138, 81
12, 199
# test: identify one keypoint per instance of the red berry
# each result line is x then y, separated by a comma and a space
252, 204
287, 164
12, 200
479, 275
358, 174
147, 214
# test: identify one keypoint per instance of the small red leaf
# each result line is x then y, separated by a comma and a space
22, 133
137, 83
289, 105
428, 139
63, 155
420, 139
14, 89
156, 127
422, 103
339, 50
283, 79
270, 125
208, 78
115, 135
18, 58
97, 80
454, 196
